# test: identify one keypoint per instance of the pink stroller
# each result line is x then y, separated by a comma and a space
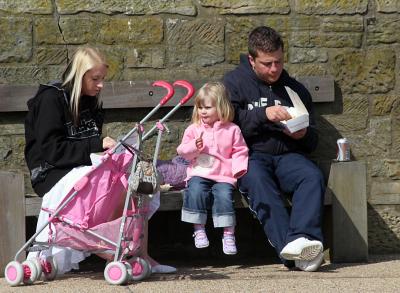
83, 218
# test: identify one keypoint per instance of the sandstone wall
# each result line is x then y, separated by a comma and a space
357, 42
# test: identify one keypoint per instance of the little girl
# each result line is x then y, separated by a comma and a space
218, 156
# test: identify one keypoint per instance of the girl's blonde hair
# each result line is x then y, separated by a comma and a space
84, 59
217, 92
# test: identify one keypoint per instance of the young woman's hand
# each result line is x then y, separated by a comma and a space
199, 142
108, 143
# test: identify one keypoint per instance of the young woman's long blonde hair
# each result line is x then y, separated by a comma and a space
216, 91
84, 59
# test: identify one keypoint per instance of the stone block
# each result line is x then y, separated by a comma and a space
384, 229
331, 7
389, 168
131, 30
153, 57
325, 39
198, 42
305, 23
367, 72
355, 105
347, 122
115, 59
250, 6
133, 7
15, 39
383, 31
51, 56
77, 29
26, 6
308, 69
385, 192
339, 24
387, 6
47, 32
382, 105
309, 55
23, 74
379, 135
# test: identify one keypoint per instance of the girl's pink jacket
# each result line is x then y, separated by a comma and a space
224, 155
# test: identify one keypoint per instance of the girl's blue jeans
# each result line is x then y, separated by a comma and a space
203, 194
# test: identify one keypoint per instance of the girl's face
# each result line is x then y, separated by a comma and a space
93, 80
208, 112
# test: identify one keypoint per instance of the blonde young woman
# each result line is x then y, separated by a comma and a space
218, 156
62, 128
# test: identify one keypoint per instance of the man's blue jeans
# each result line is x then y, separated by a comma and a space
266, 177
202, 194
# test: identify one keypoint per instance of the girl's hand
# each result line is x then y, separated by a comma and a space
199, 142
108, 143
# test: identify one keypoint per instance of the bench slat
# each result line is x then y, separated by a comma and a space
169, 201
135, 94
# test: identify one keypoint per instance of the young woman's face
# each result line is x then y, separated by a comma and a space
93, 80
208, 112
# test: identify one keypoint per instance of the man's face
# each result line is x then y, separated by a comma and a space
268, 66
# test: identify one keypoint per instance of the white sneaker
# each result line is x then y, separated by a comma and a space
310, 265
302, 249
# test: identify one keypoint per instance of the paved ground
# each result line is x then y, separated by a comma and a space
380, 274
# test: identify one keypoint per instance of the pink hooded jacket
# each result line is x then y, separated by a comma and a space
224, 155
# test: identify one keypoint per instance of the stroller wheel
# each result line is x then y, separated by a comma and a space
116, 273
30, 272
140, 268
36, 261
149, 272
50, 268
128, 268
14, 273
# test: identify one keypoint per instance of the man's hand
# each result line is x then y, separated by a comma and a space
277, 113
296, 135
199, 142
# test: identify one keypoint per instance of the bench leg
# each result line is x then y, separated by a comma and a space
347, 182
12, 216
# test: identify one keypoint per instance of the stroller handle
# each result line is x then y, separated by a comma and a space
189, 87
168, 87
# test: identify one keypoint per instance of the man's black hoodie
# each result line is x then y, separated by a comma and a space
250, 96
54, 145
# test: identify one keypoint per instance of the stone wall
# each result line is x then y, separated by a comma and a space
357, 42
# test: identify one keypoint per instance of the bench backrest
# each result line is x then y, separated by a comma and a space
140, 94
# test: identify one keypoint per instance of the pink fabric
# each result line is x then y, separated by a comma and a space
68, 236
224, 156
96, 200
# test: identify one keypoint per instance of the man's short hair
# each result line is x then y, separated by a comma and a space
264, 39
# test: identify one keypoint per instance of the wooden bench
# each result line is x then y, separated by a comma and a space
346, 191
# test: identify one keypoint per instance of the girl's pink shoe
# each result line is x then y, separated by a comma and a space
229, 244
200, 239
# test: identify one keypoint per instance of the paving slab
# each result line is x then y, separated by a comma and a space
380, 274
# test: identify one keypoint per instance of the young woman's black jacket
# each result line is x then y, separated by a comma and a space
54, 145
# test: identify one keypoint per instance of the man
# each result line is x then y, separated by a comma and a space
258, 90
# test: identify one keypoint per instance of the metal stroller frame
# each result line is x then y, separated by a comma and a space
119, 270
